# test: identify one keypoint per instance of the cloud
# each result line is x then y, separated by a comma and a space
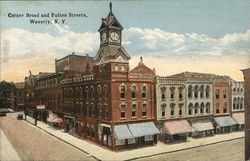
167, 52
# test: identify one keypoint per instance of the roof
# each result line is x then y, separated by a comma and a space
239, 118
143, 129
122, 132
141, 69
73, 55
20, 85
202, 126
224, 121
177, 127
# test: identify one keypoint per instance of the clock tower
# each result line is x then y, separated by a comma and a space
111, 49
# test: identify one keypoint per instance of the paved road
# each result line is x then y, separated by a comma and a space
225, 151
7, 152
33, 144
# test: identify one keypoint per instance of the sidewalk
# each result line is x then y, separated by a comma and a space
105, 154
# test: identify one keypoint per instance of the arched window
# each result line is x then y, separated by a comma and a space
144, 92
172, 91
163, 110
123, 111
217, 107
92, 92
238, 89
202, 91
202, 108
92, 109
207, 91
241, 103
241, 90
234, 103
80, 92
87, 109
234, 90
99, 91
87, 92
133, 91
225, 107
196, 108
238, 103
196, 92
134, 110
105, 91
225, 94
100, 110
190, 93
144, 109
172, 105
122, 91
208, 107
217, 94
180, 92
190, 109
163, 93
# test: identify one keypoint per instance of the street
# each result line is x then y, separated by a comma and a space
29, 143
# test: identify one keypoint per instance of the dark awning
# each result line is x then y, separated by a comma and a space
143, 129
224, 121
177, 127
122, 132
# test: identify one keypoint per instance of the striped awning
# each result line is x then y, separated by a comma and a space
224, 121
239, 118
202, 126
143, 129
122, 132
177, 127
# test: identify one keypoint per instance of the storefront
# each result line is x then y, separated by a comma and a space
69, 124
131, 135
240, 120
224, 124
174, 131
105, 134
203, 129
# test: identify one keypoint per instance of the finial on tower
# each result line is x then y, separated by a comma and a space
110, 6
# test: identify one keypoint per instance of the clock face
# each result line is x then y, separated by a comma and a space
104, 36
114, 36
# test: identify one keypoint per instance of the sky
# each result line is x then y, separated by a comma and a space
208, 36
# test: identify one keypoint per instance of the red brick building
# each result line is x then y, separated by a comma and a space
111, 104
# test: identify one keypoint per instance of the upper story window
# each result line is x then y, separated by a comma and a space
144, 92
241, 90
234, 90
116, 67
123, 111
190, 92
196, 107
180, 109
163, 93
238, 89
172, 90
134, 109
208, 107
122, 68
172, 109
144, 109
92, 91
225, 94
234, 103
202, 91
217, 94
190, 109
207, 91
122, 91
133, 92
99, 91
196, 92
225, 108
87, 91
202, 108
105, 91
163, 110
217, 107
180, 92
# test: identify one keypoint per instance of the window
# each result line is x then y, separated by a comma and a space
133, 91
80, 93
225, 108
92, 92
100, 110
241, 90
196, 107
122, 91
234, 90
172, 90
217, 94
238, 103
163, 110
234, 103
208, 107
105, 91
225, 94
180, 92
202, 91
238, 89
196, 92
134, 109
180, 109
99, 91
190, 109
144, 92
106, 111
217, 107
202, 108
87, 92
241, 103
123, 111
92, 109
87, 108
116, 67
207, 91
190, 93
163, 93
122, 68
172, 109
144, 109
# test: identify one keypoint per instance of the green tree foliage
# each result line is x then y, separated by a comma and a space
6, 94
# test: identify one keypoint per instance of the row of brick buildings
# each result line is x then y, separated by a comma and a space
101, 99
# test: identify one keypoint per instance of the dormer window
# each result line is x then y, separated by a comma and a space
116, 67
122, 68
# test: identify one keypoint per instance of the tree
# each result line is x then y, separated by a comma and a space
6, 94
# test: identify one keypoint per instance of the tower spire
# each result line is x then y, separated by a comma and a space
110, 6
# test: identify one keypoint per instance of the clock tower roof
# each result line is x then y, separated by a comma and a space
110, 21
